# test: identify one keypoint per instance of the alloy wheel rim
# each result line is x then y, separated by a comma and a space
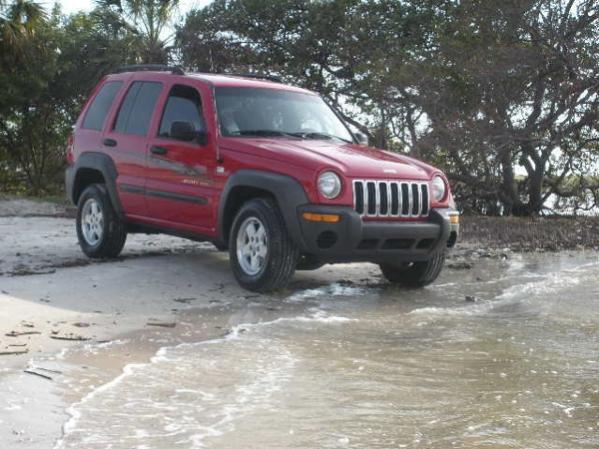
92, 222
252, 246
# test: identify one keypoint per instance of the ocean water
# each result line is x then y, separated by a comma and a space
373, 366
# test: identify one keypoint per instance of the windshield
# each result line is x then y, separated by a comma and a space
277, 113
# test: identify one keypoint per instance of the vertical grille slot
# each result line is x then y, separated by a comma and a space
384, 202
424, 193
394, 199
415, 200
372, 197
359, 197
391, 198
405, 199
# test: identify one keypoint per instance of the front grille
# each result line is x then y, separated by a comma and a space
391, 198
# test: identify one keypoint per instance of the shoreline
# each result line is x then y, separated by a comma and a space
90, 319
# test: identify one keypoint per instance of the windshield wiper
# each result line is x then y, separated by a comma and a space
263, 133
318, 135
297, 135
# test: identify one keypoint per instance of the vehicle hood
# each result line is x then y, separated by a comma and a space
351, 160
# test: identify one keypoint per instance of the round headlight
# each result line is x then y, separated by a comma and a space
439, 188
329, 185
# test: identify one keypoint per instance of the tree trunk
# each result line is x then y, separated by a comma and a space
508, 193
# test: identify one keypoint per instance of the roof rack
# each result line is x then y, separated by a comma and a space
151, 68
258, 76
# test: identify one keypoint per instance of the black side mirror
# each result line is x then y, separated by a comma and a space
361, 138
202, 137
182, 131
185, 131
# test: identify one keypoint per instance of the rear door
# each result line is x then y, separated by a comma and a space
127, 141
180, 171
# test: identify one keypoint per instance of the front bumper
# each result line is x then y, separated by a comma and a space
353, 239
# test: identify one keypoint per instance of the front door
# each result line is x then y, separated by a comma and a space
181, 164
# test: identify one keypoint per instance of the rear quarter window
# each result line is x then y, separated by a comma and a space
137, 108
100, 105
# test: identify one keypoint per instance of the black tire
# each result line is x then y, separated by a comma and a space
415, 274
113, 229
309, 262
281, 257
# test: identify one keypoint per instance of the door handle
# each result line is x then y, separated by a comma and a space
158, 150
110, 142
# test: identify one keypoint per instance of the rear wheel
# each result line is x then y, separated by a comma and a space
263, 257
101, 233
414, 274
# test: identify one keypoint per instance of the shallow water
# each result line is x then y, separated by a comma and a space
372, 366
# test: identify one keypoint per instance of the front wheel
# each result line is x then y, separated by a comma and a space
263, 257
414, 274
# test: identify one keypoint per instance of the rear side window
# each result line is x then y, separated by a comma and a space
98, 109
137, 108
183, 105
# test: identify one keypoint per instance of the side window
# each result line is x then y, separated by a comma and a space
137, 108
100, 105
183, 105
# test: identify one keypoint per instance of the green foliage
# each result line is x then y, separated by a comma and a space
148, 21
46, 78
502, 95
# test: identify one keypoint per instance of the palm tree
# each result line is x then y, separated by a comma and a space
150, 20
18, 22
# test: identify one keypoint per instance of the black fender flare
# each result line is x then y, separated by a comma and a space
102, 163
287, 191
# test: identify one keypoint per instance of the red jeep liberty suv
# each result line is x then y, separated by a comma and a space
267, 170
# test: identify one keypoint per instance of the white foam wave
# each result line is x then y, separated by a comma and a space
334, 289
540, 287
246, 397
73, 410
456, 311
163, 356
550, 283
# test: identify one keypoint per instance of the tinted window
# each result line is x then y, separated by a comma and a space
126, 107
271, 112
137, 108
183, 105
98, 109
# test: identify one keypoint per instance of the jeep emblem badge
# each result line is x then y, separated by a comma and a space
390, 170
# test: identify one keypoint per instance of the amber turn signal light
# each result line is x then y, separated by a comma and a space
327, 218
454, 219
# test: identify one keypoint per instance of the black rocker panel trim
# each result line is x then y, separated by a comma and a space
128, 188
162, 194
